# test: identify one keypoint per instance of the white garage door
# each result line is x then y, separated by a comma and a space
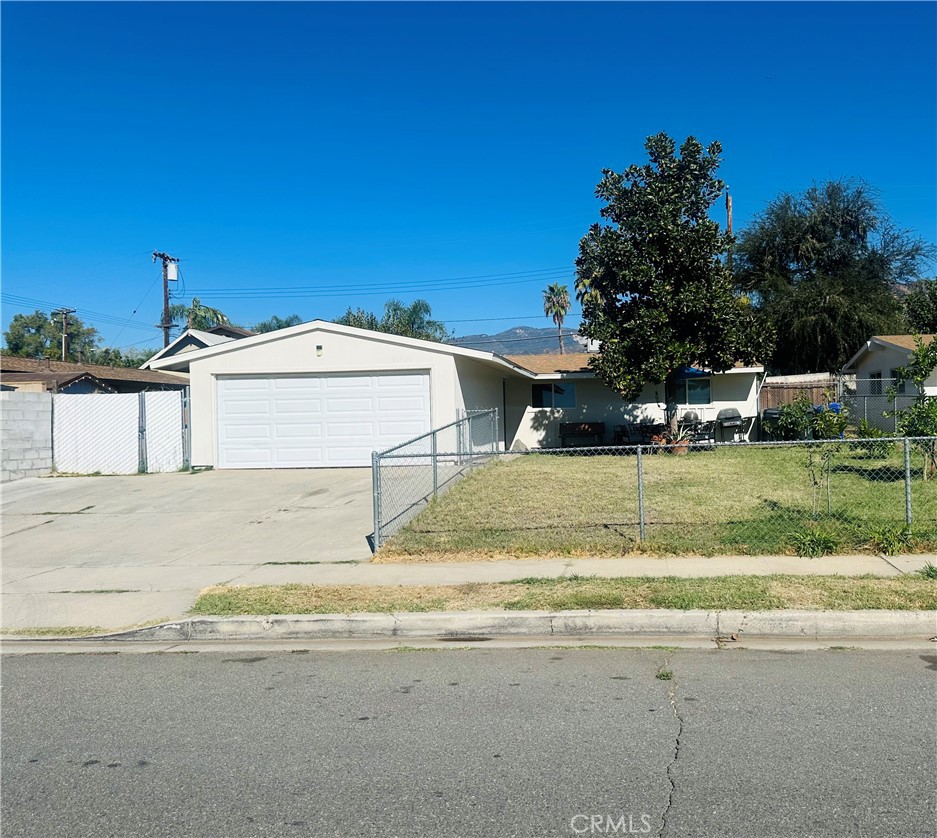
324, 420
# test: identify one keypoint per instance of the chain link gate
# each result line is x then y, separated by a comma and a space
408, 476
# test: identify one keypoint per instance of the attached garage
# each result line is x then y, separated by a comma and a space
322, 395
303, 421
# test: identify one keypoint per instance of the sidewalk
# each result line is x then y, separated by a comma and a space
114, 597
454, 573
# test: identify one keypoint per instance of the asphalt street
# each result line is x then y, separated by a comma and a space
483, 742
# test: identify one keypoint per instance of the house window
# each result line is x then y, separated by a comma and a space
875, 384
899, 388
698, 391
554, 394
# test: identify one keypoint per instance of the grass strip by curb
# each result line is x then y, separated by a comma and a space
76, 631
749, 593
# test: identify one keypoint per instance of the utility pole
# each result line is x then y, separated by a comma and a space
170, 274
64, 312
728, 212
729, 223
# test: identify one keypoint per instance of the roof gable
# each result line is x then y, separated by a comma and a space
901, 342
325, 326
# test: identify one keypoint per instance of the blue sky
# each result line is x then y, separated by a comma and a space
307, 157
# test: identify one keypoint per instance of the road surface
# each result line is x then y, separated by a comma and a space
484, 742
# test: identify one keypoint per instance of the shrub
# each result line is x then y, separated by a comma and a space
871, 445
795, 420
812, 544
891, 540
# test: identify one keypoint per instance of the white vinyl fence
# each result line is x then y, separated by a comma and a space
120, 433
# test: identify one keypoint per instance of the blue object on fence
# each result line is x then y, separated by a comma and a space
836, 407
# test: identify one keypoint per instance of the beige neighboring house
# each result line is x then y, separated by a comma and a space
876, 363
321, 394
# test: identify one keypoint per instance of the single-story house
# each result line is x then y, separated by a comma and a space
322, 394
876, 363
44, 375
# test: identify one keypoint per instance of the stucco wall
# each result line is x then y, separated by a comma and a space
298, 353
481, 387
539, 427
883, 361
26, 430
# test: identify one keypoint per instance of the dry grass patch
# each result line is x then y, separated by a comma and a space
52, 631
752, 593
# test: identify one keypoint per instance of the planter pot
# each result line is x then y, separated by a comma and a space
680, 448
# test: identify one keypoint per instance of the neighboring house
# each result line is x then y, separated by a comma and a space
322, 394
193, 339
875, 365
44, 375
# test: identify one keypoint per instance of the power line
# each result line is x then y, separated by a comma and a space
111, 320
372, 288
455, 341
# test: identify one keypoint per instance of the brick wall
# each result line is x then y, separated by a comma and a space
26, 429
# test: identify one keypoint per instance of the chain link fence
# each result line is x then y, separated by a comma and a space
879, 411
406, 477
810, 497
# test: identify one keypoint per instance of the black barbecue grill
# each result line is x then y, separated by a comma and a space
730, 422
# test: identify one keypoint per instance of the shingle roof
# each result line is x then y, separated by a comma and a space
12, 363
570, 362
903, 341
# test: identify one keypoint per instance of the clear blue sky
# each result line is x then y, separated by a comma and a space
309, 157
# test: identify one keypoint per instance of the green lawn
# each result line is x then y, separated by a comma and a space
723, 501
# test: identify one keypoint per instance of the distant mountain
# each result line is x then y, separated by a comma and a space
520, 340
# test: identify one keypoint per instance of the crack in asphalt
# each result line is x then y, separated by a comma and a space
678, 746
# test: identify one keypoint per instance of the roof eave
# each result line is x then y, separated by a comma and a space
324, 325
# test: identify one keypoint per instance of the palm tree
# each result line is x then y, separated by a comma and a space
197, 316
556, 305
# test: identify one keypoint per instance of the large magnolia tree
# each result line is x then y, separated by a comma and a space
653, 280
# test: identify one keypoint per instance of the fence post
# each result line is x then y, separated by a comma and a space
494, 430
186, 432
141, 433
434, 450
376, 496
640, 496
907, 482
468, 428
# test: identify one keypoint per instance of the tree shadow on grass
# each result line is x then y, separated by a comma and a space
877, 474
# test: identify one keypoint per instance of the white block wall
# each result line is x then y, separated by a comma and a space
25, 434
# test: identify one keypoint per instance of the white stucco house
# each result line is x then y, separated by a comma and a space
322, 394
876, 363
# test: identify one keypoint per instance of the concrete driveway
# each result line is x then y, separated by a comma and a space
114, 551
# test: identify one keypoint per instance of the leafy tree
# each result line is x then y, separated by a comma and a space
655, 288
275, 323
556, 306
196, 315
360, 319
412, 321
119, 358
920, 418
823, 267
39, 335
920, 307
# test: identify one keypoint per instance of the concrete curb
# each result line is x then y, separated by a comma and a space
475, 625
